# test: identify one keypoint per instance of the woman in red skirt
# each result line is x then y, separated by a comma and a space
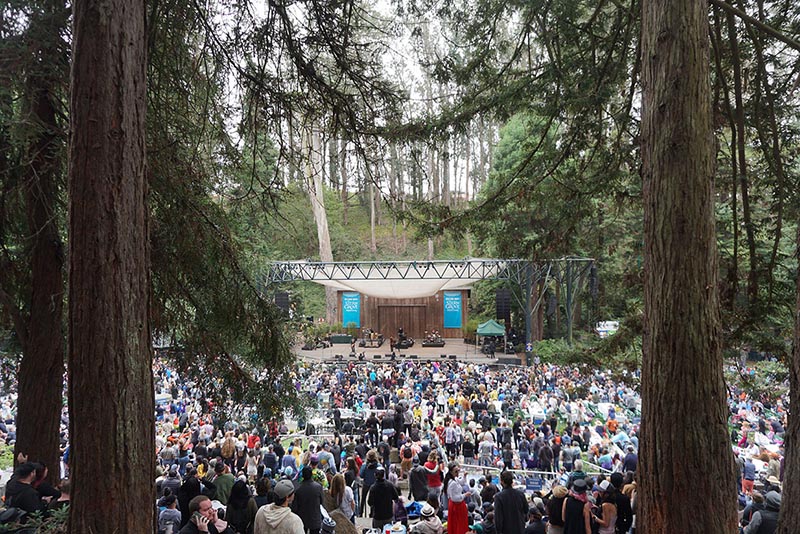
457, 522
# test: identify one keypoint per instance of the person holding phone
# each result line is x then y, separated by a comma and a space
204, 518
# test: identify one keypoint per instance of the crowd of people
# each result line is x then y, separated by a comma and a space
426, 446
436, 446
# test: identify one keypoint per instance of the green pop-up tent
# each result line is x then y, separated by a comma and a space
492, 328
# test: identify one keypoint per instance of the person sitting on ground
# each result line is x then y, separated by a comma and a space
63, 499
277, 517
766, 521
19, 492
429, 522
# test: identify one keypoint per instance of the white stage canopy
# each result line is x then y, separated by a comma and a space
394, 279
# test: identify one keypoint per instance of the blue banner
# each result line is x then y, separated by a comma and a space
452, 309
351, 310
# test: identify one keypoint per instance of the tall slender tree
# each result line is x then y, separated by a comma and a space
682, 364
109, 354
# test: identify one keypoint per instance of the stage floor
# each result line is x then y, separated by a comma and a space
462, 351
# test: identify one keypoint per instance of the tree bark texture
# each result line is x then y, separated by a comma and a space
682, 362
790, 512
109, 351
41, 371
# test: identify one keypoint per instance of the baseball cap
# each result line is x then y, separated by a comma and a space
284, 488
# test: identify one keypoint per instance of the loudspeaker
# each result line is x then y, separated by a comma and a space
443, 356
388, 355
376, 356
502, 304
339, 357
413, 356
452, 356
282, 300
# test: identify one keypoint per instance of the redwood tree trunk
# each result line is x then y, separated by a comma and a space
41, 371
109, 353
682, 363
790, 512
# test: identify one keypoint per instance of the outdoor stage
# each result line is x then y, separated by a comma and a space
453, 347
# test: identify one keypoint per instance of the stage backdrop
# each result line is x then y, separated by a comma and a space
415, 316
452, 309
351, 309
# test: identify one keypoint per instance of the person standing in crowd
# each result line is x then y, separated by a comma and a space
607, 518
205, 520
368, 477
555, 521
418, 482
169, 520
223, 482
307, 502
623, 502
278, 518
343, 497
381, 499
576, 510
510, 507
433, 468
457, 520
241, 510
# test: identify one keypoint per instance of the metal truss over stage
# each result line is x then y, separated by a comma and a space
403, 278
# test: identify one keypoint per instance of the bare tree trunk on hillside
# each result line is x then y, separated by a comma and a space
373, 247
682, 362
110, 356
315, 184
343, 174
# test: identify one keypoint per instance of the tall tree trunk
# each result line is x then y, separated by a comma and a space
682, 359
732, 285
109, 356
749, 228
41, 371
373, 247
790, 512
316, 192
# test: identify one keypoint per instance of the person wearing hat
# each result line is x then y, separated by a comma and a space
766, 521
278, 518
607, 519
535, 524
555, 521
576, 510
367, 475
429, 522
381, 499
